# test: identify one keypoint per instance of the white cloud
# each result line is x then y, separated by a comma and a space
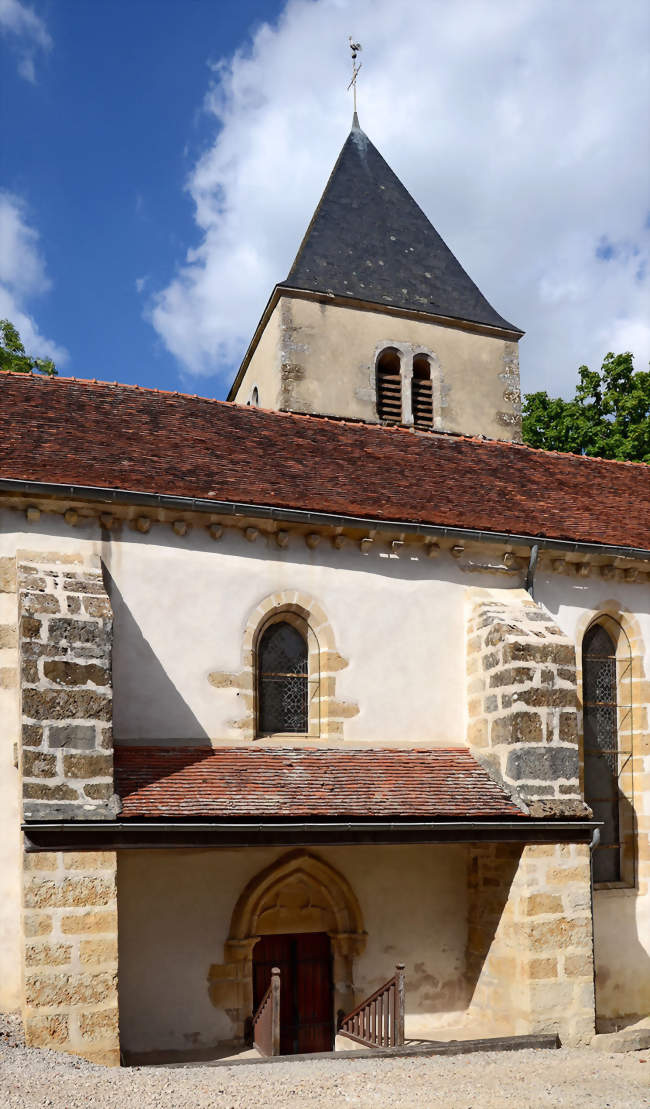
23, 276
28, 32
518, 125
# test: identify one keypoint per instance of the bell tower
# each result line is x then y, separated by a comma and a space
378, 321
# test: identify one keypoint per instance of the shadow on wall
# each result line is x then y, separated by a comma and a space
379, 558
142, 689
490, 874
622, 962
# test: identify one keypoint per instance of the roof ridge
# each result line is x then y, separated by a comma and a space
395, 429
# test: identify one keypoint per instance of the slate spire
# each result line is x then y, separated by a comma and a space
369, 240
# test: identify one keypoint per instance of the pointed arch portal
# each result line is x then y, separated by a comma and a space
299, 893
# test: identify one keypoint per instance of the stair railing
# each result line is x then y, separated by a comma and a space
266, 1021
379, 1020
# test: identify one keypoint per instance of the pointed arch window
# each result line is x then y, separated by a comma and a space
283, 680
389, 386
422, 392
601, 747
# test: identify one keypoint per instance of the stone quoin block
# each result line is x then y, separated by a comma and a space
70, 957
75, 673
78, 736
47, 704
541, 763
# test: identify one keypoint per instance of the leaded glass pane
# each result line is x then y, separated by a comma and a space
600, 782
601, 748
601, 733
282, 680
600, 680
598, 643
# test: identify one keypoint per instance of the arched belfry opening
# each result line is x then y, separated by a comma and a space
389, 386
422, 392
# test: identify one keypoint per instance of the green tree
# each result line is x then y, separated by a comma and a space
609, 416
13, 357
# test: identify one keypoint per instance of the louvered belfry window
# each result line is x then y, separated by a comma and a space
283, 702
422, 393
601, 753
389, 386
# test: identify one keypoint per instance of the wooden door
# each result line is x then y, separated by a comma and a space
306, 997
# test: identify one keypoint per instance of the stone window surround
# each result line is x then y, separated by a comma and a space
326, 714
633, 733
407, 352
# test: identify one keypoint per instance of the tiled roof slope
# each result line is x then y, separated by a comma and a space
368, 239
292, 782
115, 436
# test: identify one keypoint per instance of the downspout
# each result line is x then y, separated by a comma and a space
530, 573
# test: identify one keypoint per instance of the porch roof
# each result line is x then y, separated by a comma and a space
272, 782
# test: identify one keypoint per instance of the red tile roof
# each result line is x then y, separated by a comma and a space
116, 436
265, 782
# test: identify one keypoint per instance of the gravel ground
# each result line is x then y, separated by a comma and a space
577, 1078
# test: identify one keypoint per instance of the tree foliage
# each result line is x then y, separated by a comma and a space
13, 357
609, 416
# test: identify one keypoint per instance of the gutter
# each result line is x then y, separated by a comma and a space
73, 835
111, 495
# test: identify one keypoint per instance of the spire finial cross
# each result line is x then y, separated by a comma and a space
355, 47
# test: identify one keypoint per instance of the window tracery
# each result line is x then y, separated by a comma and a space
602, 754
283, 680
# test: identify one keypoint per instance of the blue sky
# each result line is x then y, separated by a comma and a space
162, 159
100, 145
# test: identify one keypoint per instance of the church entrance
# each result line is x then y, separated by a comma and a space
306, 994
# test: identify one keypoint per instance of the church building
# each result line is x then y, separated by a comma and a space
333, 676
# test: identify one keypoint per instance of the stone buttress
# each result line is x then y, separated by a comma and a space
530, 918
69, 898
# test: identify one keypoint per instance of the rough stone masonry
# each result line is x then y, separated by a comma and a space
530, 948
65, 636
523, 701
69, 898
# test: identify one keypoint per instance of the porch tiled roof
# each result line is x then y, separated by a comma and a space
264, 782
71, 432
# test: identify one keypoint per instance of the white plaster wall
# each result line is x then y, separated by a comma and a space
10, 834
174, 916
181, 605
621, 916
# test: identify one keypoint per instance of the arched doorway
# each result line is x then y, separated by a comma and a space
299, 894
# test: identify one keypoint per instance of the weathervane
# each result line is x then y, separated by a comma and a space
355, 47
